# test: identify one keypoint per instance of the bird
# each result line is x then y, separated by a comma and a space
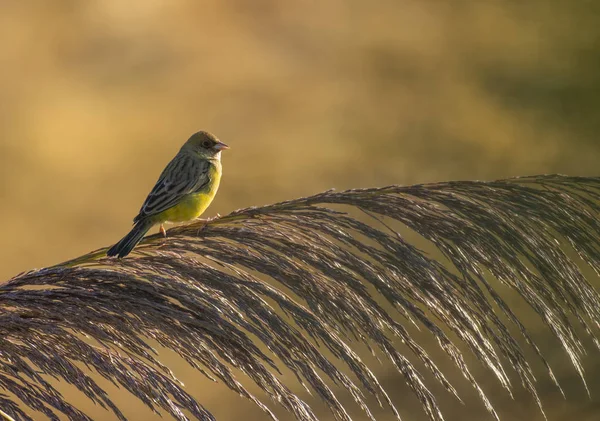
184, 190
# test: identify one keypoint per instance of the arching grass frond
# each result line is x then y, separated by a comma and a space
298, 283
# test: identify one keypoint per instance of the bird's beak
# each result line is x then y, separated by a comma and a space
220, 146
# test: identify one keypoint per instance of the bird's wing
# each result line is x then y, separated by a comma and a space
182, 176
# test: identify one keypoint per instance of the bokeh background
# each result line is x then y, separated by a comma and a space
97, 96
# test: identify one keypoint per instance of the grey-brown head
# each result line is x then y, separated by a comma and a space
204, 144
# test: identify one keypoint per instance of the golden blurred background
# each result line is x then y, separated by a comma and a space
97, 96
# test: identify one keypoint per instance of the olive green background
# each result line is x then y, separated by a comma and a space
97, 96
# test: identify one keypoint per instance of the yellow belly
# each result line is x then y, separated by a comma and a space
193, 205
190, 208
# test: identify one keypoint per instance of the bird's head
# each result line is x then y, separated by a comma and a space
205, 145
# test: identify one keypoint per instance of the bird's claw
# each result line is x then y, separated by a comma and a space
206, 221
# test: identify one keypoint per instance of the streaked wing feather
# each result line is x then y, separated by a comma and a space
182, 176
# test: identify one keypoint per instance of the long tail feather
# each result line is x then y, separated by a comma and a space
127, 243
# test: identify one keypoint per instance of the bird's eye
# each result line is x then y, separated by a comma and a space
206, 144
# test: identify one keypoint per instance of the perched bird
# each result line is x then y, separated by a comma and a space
183, 191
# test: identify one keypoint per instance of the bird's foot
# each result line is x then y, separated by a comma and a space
212, 218
206, 221
204, 224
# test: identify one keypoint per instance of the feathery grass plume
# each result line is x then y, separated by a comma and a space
301, 277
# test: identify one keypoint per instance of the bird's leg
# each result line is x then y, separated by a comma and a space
206, 221
162, 230
204, 224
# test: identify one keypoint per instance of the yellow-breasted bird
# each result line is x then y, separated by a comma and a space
183, 191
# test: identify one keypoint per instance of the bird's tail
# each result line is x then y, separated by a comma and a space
127, 243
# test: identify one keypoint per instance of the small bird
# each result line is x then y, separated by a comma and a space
183, 191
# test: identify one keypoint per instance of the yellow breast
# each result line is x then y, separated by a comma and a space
194, 205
